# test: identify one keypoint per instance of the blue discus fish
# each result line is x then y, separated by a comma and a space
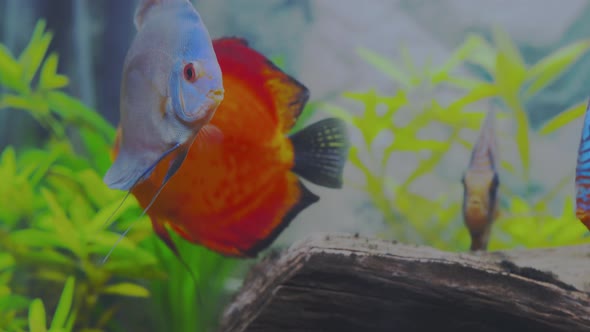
170, 89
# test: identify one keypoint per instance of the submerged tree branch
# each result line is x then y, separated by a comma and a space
346, 283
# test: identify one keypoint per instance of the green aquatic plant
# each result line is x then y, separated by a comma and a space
514, 83
179, 293
53, 217
415, 108
11, 305
63, 317
54, 205
67, 234
33, 85
533, 225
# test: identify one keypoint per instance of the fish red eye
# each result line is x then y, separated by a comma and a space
190, 74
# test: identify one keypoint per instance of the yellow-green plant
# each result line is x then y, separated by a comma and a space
414, 216
532, 225
11, 304
53, 212
54, 204
63, 317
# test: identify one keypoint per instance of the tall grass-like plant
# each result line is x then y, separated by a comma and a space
54, 205
512, 83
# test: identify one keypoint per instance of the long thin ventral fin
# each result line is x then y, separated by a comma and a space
174, 166
143, 175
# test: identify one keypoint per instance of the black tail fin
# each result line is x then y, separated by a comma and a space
321, 150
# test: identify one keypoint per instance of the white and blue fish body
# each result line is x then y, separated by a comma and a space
170, 89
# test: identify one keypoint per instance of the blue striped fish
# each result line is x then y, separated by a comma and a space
480, 186
583, 173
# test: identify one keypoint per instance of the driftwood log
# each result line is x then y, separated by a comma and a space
347, 283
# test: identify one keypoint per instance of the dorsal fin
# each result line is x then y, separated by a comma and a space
144, 7
485, 154
287, 95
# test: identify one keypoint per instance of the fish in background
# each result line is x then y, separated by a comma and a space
236, 194
583, 173
170, 89
480, 186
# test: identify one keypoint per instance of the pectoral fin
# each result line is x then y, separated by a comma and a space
130, 169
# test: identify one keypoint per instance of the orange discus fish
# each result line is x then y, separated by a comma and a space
480, 184
236, 191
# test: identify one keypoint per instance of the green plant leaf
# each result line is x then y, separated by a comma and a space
38, 238
126, 289
483, 54
370, 123
522, 141
54, 276
11, 73
482, 91
508, 167
64, 229
95, 189
49, 79
48, 258
13, 302
8, 162
23, 103
553, 65
33, 54
463, 83
98, 149
386, 66
37, 320
507, 47
64, 305
405, 139
125, 250
469, 46
101, 218
6, 261
564, 118
75, 112
509, 77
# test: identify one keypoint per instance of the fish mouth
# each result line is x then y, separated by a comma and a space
208, 108
216, 95
205, 110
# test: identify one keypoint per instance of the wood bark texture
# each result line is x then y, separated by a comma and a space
344, 282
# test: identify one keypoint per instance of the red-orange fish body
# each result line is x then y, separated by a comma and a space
237, 191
